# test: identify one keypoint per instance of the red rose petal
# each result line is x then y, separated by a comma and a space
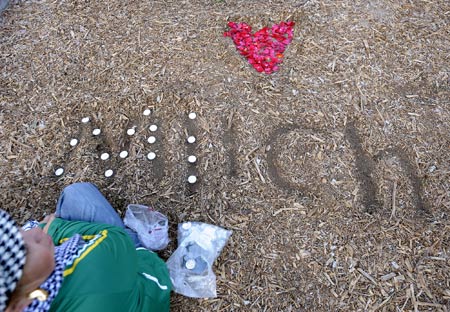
264, 49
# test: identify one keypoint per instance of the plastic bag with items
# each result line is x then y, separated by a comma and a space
3, 5
190, 266
152, 227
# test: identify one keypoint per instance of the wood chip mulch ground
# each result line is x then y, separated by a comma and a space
332, 173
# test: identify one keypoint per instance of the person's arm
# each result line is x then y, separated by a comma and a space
60, 229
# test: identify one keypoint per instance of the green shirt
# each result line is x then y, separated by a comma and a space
109, 274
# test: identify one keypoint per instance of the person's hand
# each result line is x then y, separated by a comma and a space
48, 219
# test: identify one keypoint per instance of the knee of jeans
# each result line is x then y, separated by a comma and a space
76, 188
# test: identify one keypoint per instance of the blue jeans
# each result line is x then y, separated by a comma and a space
84, 202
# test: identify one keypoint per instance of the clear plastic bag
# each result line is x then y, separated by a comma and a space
3, 5
190, 266
152, 227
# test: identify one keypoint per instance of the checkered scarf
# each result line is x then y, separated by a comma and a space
12, 257
64, 256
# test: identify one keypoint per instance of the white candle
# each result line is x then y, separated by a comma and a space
191, 139
59, 171
192, 159
190, 264
73, 142
104, 156
109, 173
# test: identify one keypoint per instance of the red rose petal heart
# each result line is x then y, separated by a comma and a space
264, 49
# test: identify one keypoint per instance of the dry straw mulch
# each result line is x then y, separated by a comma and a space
333, 173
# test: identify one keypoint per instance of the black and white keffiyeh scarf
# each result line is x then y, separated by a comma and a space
12, 257
64, 256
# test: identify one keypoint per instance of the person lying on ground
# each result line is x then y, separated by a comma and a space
82, 259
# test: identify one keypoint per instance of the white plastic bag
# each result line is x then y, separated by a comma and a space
190, 266
152, 227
